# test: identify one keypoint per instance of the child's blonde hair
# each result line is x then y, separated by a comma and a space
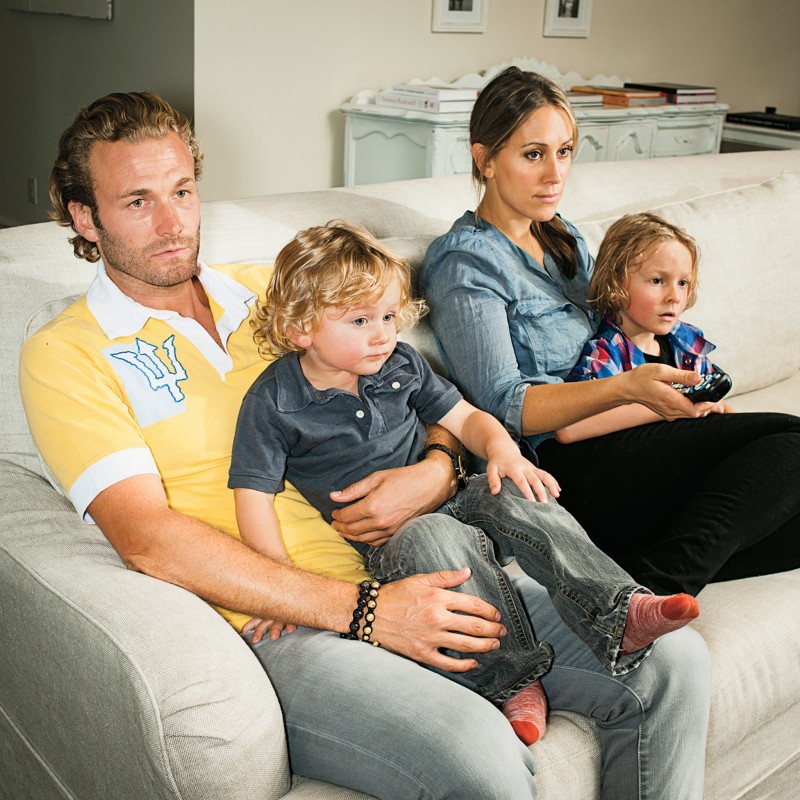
338, 264
621, 253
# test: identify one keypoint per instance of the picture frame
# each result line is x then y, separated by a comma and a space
567, 18
95, 9
459, 16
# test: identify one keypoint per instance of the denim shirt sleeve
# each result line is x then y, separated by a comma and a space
501, 321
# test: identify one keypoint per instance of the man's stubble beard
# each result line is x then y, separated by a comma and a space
136, 263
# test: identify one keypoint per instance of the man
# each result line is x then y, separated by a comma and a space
132, 396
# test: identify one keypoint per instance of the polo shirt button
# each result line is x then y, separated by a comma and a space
360, 414
396, 385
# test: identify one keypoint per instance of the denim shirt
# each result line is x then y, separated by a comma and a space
502, 320
611, 352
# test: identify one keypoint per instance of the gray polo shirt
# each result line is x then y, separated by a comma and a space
321, 441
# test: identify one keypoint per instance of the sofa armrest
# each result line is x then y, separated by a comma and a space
115, 684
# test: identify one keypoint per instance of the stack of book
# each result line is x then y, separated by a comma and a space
585, 100
434, 99
620, 96
679, 93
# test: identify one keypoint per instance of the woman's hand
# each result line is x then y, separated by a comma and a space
534, 483
651, 385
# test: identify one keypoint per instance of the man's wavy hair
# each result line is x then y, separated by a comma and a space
335, 265
621, 253
122, 116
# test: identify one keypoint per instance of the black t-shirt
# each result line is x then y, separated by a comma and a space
664, 355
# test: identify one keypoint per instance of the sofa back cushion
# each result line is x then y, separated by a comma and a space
37, 266
749, 275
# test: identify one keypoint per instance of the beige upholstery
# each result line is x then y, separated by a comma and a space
102, 690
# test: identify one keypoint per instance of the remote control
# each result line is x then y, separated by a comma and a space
712, 387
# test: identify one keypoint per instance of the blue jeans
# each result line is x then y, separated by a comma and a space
361, 717
484, 531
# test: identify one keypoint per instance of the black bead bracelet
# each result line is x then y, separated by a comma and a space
365, 607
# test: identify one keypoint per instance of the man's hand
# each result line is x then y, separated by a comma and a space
385, 500
418, 616
651, 385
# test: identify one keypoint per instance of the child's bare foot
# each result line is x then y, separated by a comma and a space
527, 712
651, 616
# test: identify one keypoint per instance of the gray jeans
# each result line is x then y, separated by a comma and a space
484, 531
361, 717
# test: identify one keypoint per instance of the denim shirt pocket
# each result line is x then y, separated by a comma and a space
548, 334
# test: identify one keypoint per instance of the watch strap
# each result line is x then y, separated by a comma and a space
458, 463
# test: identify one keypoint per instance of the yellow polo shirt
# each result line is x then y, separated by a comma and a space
114, 389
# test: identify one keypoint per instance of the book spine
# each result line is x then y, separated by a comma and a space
665, 90
432, 93
414, 91
616, 100
690, 99
394, 100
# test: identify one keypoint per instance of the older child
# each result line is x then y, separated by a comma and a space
346, 399
645, 277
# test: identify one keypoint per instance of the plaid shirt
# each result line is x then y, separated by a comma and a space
611, 352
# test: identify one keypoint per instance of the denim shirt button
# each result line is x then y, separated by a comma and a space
396, 385
360, 414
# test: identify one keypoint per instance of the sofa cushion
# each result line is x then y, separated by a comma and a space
755, 653
36, 266
747, 238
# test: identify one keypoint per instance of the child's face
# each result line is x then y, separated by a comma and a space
658, 290
356, 341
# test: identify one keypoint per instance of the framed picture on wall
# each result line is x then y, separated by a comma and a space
567, 18
459, 16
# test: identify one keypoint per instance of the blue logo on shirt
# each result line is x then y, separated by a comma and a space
158, 374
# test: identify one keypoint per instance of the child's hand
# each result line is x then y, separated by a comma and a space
720, 407
529, 479
262, 626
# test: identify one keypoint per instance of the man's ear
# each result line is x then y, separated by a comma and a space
479, 155
82, 220
298, 337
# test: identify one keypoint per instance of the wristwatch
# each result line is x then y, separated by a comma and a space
458, 462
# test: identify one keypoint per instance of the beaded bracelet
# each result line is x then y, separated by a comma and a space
367, 599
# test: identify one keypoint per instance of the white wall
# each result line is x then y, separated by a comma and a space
271, 75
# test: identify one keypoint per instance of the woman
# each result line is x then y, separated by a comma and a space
507, 288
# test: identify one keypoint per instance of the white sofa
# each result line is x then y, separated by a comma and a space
115, 685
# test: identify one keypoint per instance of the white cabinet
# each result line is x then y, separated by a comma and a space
388, 144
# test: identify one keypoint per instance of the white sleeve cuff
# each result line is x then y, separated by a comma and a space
108, 471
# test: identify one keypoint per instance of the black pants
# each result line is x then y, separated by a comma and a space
681, 504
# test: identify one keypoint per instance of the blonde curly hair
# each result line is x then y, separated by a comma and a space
621, 253
334, 265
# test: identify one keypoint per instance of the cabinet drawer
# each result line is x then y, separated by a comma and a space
687, 138
592, 144
450, 152
631, 142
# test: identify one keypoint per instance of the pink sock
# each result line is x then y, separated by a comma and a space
651, 616
527, 712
